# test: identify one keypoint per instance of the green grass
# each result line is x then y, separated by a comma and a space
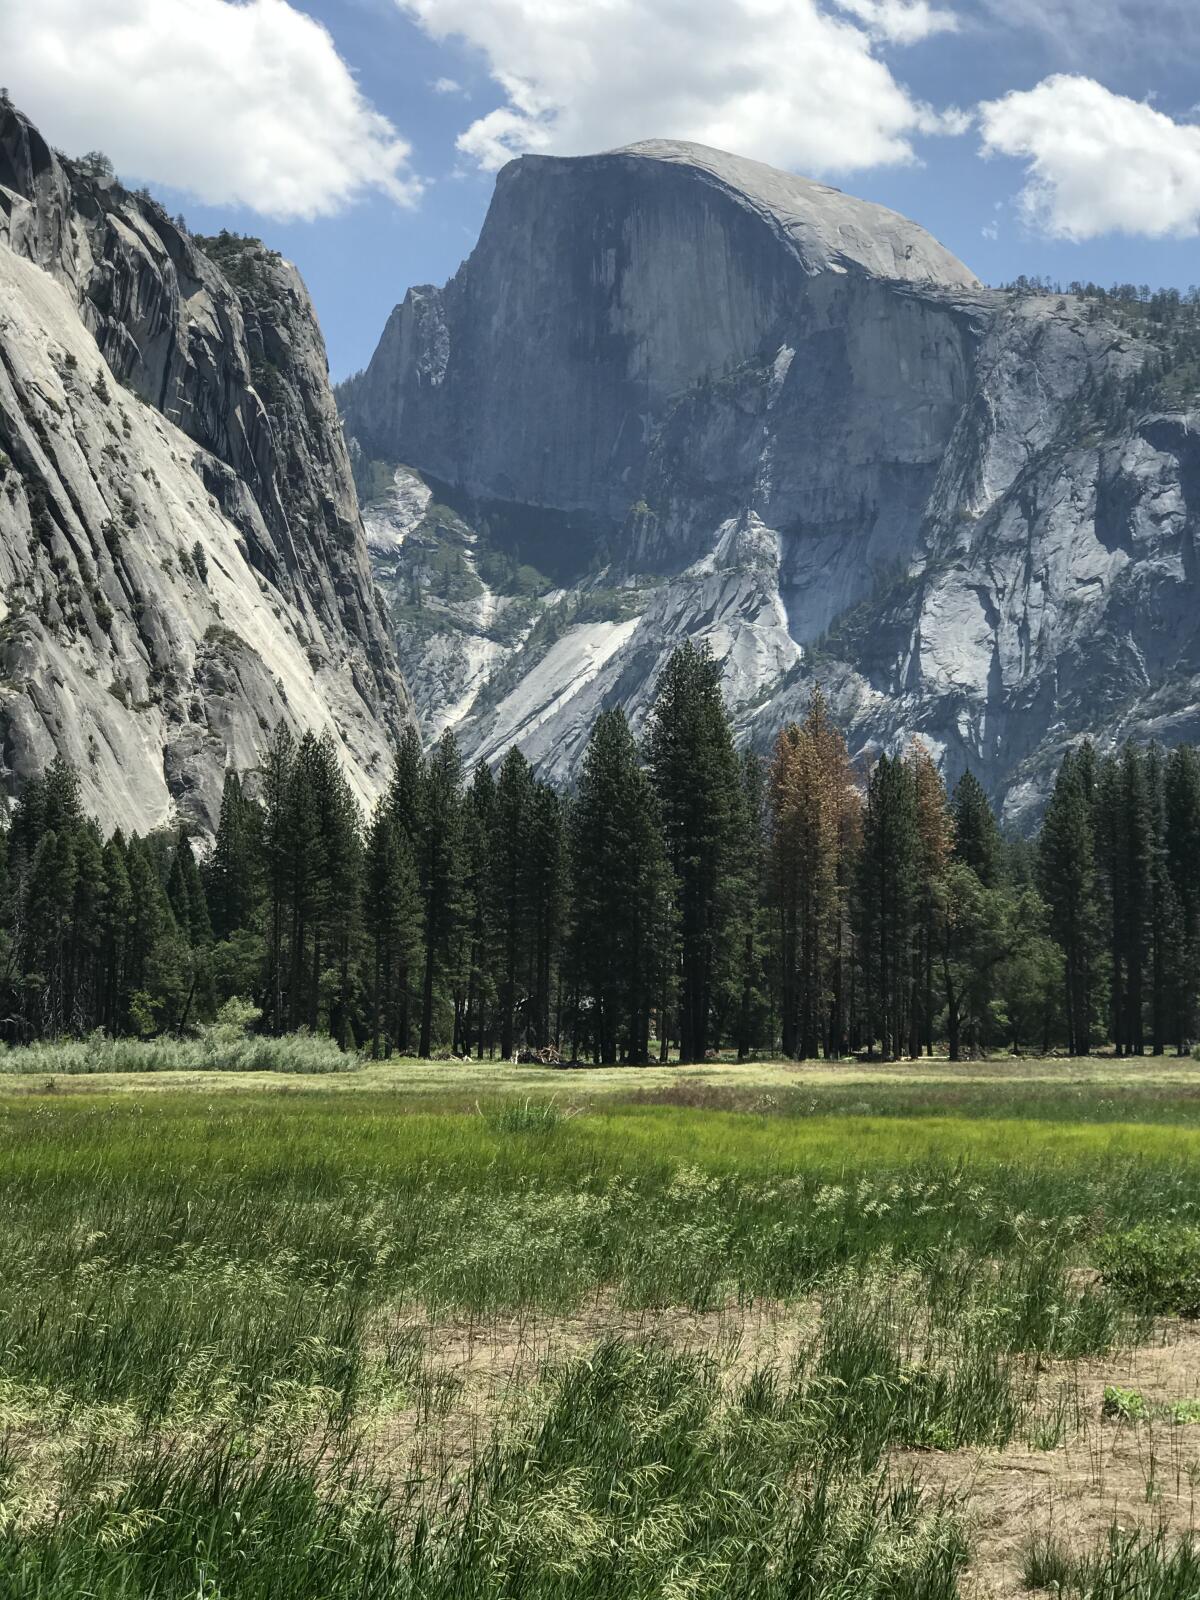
218, 1048
225, 1313
1131, 1566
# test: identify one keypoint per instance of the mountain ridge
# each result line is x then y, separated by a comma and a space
161, 396
964, 511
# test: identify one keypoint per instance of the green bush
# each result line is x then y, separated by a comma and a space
1155, 1266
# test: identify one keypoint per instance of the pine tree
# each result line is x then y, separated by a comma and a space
82, 1007
45, 933
159, 967
620, 887
441, 868
977, 840
233, 875
277, 868
1164, 920
406, 789
888, 881
393, 914
691, 758
326, 852
185, 891
808, 798
1067, 879
975, 939
546, 871
784, 877
512, 839
480, 1000
752, 1014
115, 921
1181, 803
1123, 856
937, 839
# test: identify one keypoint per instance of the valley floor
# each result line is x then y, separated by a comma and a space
439, 1330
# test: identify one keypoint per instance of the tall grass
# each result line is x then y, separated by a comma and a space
215, 1049
1131, 1566
642, 1474
220, 1326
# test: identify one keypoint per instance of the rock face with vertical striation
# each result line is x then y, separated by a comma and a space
182, 562
693, 396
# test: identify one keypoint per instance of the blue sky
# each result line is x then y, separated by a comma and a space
361, 137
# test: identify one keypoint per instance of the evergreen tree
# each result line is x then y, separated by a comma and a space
441, 868
82, 1006
45, 933
888, 887
977, 840
752, 1008
937, 840
546, 871
1030, 977
159, 968
406, 790
277, 869
234, 871
809, 786
185, 891
1123, 857
691, 758
785, 878
328, 873
1164, 920
393, 913
1067, 878
115, 922
620, 884
511, 844
1181, 805
974, 940
478, 825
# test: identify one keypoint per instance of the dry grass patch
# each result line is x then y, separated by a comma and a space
1141, 1473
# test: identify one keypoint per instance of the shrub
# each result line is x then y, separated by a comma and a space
1155, 1266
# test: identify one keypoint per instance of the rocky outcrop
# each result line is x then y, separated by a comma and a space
701, 398
182, 562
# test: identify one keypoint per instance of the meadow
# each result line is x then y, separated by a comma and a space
433, 1330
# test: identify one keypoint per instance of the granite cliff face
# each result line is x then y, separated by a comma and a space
672, 393
182, 562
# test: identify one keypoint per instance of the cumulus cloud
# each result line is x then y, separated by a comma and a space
244, 103
447, 86
783, 80
1097, 161
904, 21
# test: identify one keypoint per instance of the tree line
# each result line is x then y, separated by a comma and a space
681, 900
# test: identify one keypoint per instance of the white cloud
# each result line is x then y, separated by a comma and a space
447, 86
783, 80
1098, 162
235, 103
903, 21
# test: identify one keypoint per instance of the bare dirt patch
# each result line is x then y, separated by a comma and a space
1141, 1473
